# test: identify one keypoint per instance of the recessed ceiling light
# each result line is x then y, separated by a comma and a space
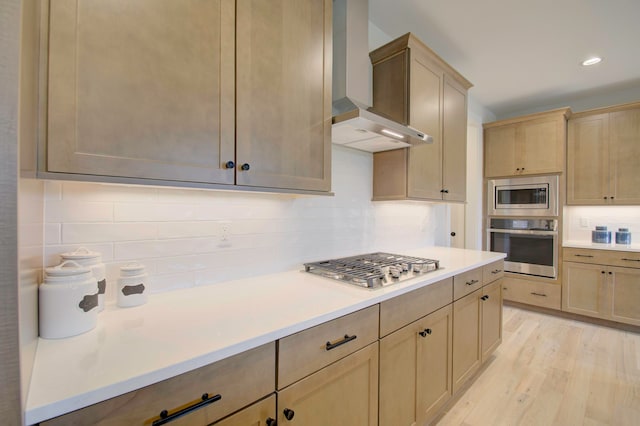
591, 61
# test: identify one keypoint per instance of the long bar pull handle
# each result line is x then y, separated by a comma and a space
165, 417
472, 282
583, 255
496, 271
346, 339
538, 294
630, 260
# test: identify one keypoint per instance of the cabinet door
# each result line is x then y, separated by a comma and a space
584, 289
499, 151
425, 161
433, 380
262, 413
141, 89
625, 295
454, 131
343, 394
466, 338
588, 160
491, 318
624, 156
283, 93
415, 370
540, 146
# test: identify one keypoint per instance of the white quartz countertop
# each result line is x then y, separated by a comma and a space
179, 331
599, 246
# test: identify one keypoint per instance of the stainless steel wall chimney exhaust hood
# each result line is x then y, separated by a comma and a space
354, 124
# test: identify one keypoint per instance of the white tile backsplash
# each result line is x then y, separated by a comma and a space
178, 233
579, 221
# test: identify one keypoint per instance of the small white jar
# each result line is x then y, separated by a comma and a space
68, 301
132, 285
92, 260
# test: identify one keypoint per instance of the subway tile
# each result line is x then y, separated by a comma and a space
52, 233
78, 211
75, 233
167, 230
167, 282
103, 192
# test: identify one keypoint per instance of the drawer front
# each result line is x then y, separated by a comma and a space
308, 351
402, 310
492, 271
532, 292
627, 259
467, 282
239, 380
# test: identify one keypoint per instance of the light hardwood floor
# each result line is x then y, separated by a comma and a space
554, 371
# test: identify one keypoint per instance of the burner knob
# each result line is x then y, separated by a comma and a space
405, 267
395, 273
417, 267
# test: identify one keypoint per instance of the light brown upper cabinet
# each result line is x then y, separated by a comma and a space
199, 92
603, 156
413, 85
527, 145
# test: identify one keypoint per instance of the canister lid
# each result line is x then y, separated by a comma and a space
132, 269
68, 268
81, 253
623, 229
601, 228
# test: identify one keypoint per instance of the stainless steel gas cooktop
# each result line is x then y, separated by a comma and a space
373, 270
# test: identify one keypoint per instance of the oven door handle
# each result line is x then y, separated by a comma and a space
522, 231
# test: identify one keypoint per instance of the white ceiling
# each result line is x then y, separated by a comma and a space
522, 55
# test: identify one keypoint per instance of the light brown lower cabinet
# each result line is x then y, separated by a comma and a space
262, 413
344, 393
602, 291
477, 330
415, 370
230, 385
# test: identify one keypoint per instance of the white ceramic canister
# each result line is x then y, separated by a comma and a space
132, 285
68, 301
92, 260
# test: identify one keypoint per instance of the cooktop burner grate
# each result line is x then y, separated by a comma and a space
372, 270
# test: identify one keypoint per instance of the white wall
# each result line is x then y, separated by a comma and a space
579, 221
177, 233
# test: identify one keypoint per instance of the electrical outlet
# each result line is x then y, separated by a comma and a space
225, 234
584, 222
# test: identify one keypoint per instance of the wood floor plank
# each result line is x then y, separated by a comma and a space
554, 371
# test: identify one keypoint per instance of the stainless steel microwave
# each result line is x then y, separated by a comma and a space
523, 196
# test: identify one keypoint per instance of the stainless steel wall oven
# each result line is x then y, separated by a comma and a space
531, 244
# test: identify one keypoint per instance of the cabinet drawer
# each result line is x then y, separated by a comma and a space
239, 380
626, 259
492, 271
536, 293
308, 351
466, 283
402, 310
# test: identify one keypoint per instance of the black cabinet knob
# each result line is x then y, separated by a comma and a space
230, 164
518, 169
602, 272
288, 414
271, 422
485, 297
245, 166
606, 198
425, 332
453, 234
